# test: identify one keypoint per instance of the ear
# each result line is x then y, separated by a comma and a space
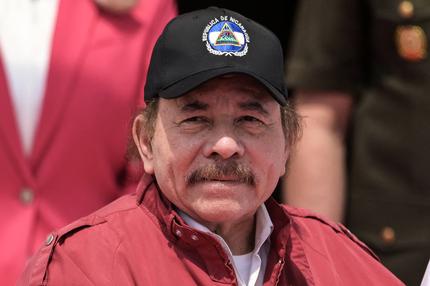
286, 156
143, 144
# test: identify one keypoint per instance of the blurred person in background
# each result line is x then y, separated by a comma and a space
71, 75
362, 78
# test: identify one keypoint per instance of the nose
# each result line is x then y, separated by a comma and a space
225, 147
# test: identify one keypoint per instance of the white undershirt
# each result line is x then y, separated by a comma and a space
426, 278
26, 28
243, 266
249, 268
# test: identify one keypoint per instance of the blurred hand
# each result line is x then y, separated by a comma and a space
117, 6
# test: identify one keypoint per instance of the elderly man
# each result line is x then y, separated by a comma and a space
215, 136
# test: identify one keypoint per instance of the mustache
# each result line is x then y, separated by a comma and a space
217, 170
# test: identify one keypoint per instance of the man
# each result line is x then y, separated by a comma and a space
64, 111
215, 136
361, 75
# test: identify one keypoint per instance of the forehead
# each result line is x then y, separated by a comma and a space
229, 89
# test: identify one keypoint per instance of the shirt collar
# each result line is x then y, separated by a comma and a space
263, 228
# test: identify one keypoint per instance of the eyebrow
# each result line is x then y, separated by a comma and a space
194, 106
253, 106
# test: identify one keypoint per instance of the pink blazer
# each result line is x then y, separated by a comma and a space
77, 164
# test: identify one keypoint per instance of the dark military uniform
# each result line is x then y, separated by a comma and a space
377, 50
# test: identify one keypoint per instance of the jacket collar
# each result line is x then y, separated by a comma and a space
285, 247
76, 22
73, 29
150, 196
9, 137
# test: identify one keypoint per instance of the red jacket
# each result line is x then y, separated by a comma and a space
140, 240
77, 165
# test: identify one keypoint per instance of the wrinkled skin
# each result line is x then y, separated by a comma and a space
227, 122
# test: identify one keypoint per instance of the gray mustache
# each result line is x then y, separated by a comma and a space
216, 170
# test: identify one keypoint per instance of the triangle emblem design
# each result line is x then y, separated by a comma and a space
226, 37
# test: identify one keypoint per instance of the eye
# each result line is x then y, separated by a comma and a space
250, 119
251, 124
196, 119
194, 124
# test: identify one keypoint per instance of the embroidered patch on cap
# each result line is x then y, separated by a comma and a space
226, 36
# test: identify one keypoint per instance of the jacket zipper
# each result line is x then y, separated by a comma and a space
280, 268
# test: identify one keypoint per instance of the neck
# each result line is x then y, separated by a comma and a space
240, 237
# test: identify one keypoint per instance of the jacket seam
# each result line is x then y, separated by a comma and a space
114, 258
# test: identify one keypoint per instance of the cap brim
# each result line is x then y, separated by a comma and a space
184, 85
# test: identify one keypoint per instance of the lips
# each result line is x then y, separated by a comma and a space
224, 179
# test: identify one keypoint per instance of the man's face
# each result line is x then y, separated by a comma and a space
219, 150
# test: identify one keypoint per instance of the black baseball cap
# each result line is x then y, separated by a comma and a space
204, 44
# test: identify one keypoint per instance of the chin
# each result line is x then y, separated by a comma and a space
222, 211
